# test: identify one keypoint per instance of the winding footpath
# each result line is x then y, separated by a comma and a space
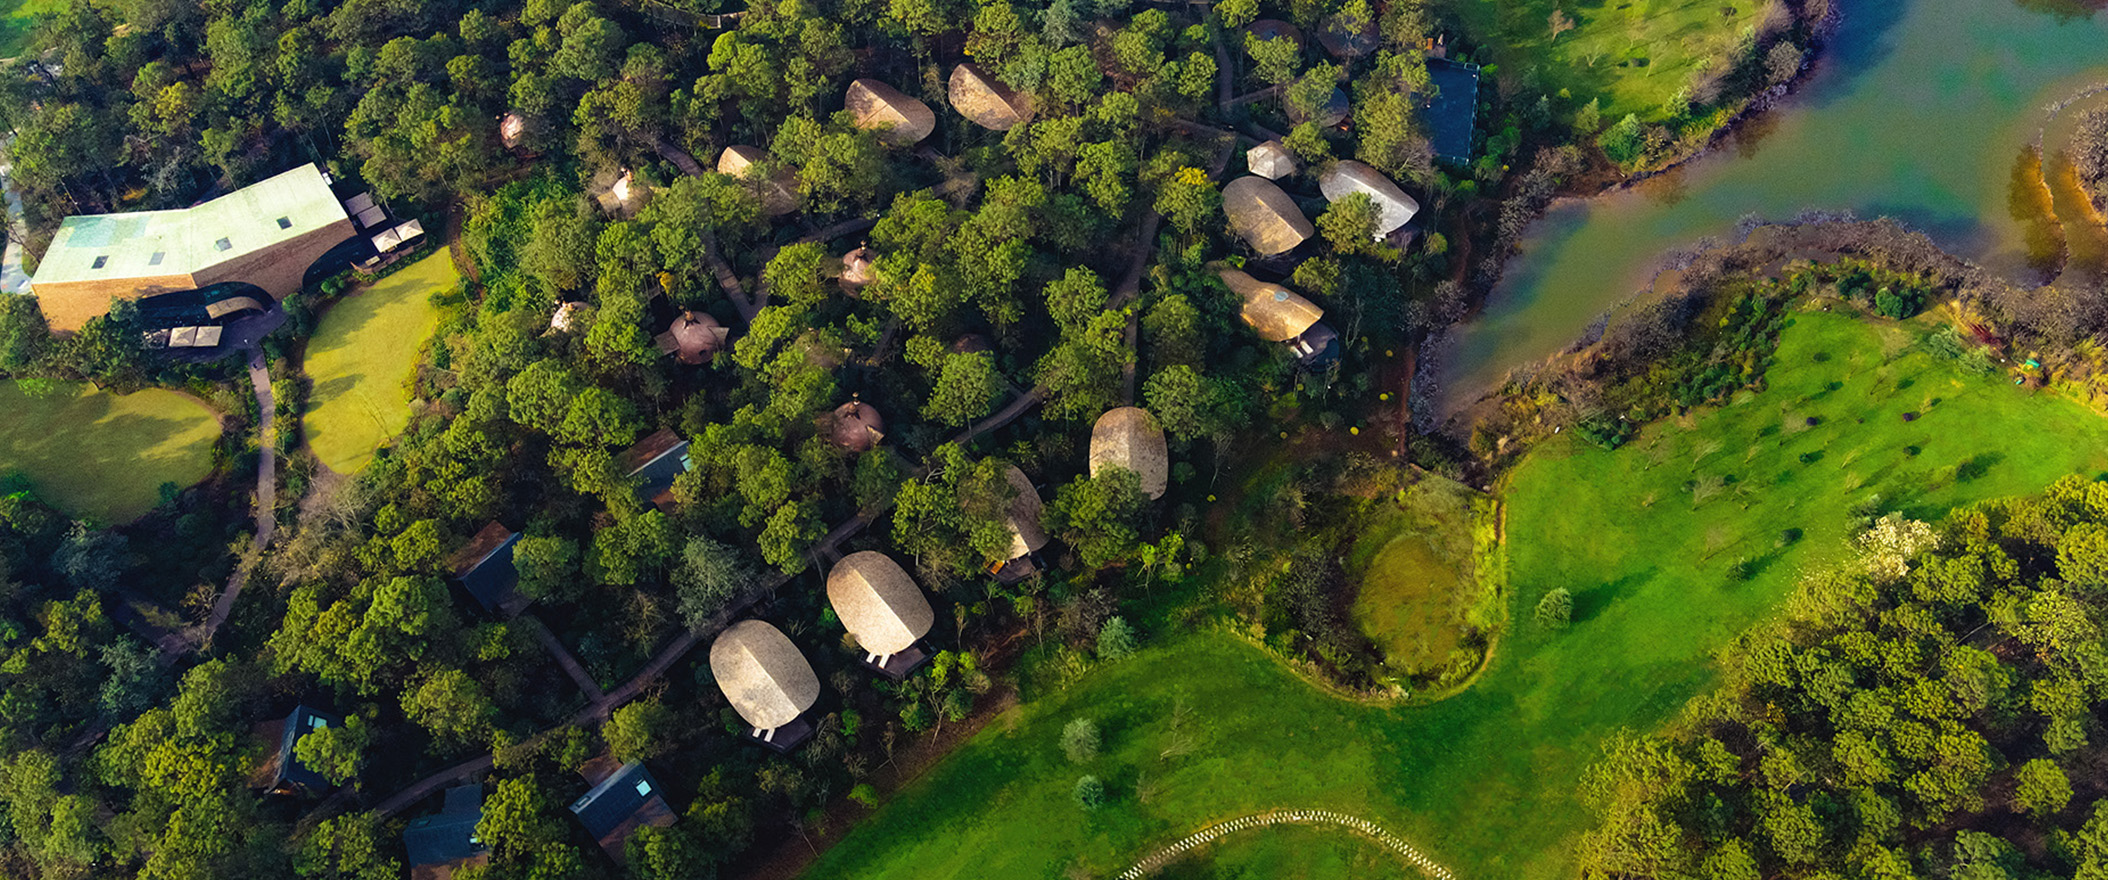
1356, 824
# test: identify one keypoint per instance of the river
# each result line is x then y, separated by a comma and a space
1918, 110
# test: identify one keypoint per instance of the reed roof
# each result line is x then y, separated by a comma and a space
900, 120
878, 602
1264, 216
1277, 313
762, 674
1346, 177
1130, 437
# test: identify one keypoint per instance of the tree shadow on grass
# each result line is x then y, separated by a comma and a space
1591, 602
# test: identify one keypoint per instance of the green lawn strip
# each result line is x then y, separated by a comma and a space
1289, 852
361, 360
1634, 55
1484, 782
101, 455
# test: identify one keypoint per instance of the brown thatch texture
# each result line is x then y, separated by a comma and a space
856, 266
878, 603
900, 120
1026, 536
1130, 437
1270, 160
1277, 313
985, 101
1275, 29
857, 426
762, 673
1393, 207
778, 191
697, 336
1264, 216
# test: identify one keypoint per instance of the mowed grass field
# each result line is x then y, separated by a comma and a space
1290, 852
18, 18
361, 360
1484, 782
104, 456
1635, 55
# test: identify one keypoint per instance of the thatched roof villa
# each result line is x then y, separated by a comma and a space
778, 191
1394, 208
901, 121
856, 426
1129, 437
694, 338
881, 606
767, 680
1270, 160
1264, 216
985, 101
1281, 315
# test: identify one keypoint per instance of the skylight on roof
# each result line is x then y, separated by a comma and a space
643, 787
155, 260
101, 262
223, 244
285, 222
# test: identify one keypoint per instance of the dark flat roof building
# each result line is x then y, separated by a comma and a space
446, 841
623, 799
484, 568
1452, 112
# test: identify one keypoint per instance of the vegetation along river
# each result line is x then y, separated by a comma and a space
1919, 110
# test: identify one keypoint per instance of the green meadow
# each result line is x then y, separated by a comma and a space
1671, 545
104, 456
362, 358
1634, 55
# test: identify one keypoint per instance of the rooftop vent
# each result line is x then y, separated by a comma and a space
285, 222
101, 262
223, 244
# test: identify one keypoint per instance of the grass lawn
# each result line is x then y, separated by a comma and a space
1484, 782
18, 18
1289, 852
1414, 565
1634, 55
361, 360
104, 456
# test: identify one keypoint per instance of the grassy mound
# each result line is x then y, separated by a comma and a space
361, 360
104, 456
1420, 593
1671, 544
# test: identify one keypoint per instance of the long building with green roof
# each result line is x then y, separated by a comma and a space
266, 234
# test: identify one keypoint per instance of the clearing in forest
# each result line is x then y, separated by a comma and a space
362, 358
18, 19
1634, 55
1672, 545
104, 456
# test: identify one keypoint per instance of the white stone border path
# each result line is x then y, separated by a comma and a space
1356, 824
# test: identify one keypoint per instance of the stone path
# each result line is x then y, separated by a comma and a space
1356, 824
266, 499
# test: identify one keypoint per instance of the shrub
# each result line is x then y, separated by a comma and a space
1116, 640
1089, 793
1625, 141
1556, 609
1079, 740
864, 794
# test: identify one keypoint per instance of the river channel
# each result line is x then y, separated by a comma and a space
1918, 110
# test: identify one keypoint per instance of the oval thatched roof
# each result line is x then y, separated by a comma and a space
1345, 40
1277, 313
762, 673
1264, 216
1274, 29
1270, 160
1130, 437
878, 602
779, 191
1026, 536
900, 120
987, 102
1393, 207
696, 335
857, 426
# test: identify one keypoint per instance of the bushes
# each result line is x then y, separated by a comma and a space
1079, 741
1556, 610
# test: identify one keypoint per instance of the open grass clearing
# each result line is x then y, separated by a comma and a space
1634, 55
1484, 782
1290, 852
18, 21
362, 358
101, 455
1418, 592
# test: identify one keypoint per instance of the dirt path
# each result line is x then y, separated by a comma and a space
565, 659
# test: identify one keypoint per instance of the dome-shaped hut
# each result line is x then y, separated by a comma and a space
901, 121
1346, 177
857, 426
1264, 216
856, 267
694, 338
1130, 437
1275, 312
879, 604
1275, 29
512, 129
985, 101
763, 675
1270, 160
778, 191
1026, 536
